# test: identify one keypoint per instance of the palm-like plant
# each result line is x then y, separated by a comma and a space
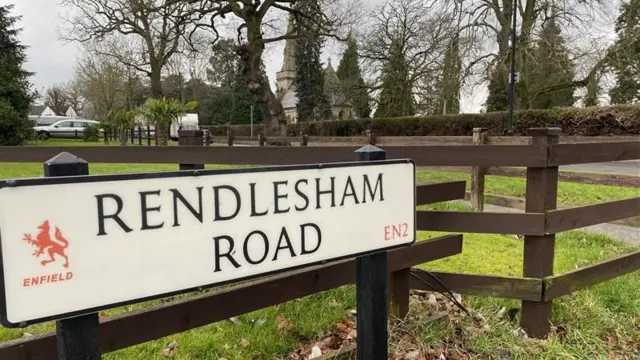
162, 112
123, 120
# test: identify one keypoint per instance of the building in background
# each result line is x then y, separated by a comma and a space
286, 88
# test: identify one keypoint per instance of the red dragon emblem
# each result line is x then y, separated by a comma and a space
43, 241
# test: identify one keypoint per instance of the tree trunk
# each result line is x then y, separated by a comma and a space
162, 132
122, 135
274, 121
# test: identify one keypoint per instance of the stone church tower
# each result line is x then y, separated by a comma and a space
287, 75
286, 88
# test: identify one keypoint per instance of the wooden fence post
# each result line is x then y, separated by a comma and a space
229, 136
304, 139
78, 338
478, 173
372, 288
262, 140
400, 293
542, 193
191, 138
371, 137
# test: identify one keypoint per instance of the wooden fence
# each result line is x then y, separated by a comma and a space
537, 289
478, 173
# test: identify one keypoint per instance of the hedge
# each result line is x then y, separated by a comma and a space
593, 121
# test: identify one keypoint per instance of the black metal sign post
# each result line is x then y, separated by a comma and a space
78, 337
371, 289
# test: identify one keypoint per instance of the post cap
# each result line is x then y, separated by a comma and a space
65, 158
66, 164
543, 131
370, 153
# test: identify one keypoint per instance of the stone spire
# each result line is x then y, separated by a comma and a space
286, 77
289, 63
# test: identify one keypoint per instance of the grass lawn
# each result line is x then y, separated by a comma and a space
575, 194
602, 322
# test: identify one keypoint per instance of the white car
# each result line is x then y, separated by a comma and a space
70, 129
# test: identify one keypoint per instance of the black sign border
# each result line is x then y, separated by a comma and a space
180, 174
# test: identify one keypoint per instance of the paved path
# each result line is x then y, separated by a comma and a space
622, 168
627, 234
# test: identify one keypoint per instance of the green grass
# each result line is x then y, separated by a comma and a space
575, 194
599, 322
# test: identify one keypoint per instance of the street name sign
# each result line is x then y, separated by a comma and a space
77, 245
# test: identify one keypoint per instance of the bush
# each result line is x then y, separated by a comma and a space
593, 121
15, 129
92, 133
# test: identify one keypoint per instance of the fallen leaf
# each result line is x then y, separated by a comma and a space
244, 342
283, 323
315, 352
170, 349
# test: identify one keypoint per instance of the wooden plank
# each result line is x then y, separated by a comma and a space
153, 323
567, 154
479, 285
400, 287
470, 155
478, 173
579, 217
484, 223
433, 193
539, 251
596, 139
281, 155
569, 282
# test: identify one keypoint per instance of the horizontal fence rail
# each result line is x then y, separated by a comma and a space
439, 192
416, 140
479, 285
496, 155
568, 154
135, 328
482, 223
572, 281
579, 217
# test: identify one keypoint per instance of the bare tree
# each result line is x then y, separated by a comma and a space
76, 99
258, 24
56, 98
158, 28
490, 22
103, 83
419, 31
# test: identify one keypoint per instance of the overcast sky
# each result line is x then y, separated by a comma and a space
52, 60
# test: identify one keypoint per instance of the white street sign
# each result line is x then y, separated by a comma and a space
75, 245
